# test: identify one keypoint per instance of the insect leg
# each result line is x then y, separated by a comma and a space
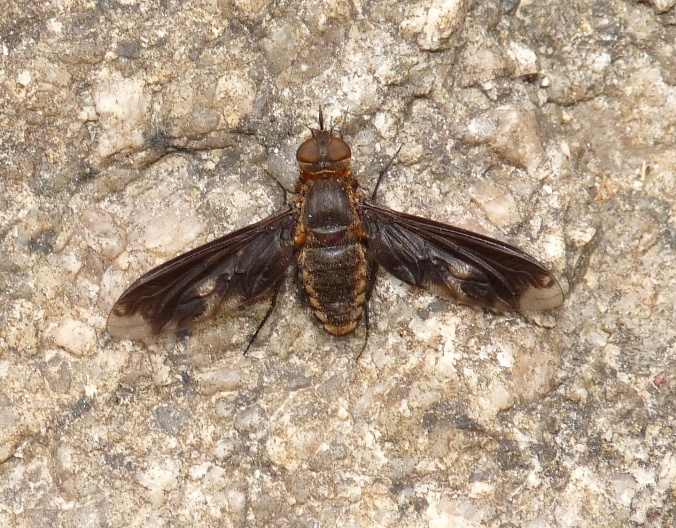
268, 313
383, 171
373, 271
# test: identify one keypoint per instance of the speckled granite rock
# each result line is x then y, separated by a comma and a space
132, 131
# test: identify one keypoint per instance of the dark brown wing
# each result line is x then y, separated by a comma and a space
219, 275
456, 263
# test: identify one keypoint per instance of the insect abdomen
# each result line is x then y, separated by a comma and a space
335, 278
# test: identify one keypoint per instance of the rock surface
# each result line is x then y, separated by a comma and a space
132, 131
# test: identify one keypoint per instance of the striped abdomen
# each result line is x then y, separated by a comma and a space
335, 280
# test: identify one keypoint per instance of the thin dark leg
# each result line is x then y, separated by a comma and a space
273, 303
382, 173
373, 270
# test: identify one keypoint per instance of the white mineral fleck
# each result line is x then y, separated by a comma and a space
160, 475
218, 379
123, 108
434, 22
76, 337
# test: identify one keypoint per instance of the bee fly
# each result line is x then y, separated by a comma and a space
338, 236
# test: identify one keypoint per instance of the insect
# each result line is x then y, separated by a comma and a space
338, 236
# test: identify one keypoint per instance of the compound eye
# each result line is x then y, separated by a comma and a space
339, 150
307, 152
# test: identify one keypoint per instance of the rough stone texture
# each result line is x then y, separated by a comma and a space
131, 131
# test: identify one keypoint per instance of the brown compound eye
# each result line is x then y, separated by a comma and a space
308, 153
339, 150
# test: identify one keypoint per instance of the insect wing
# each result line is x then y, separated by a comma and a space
456, 263
207, 280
